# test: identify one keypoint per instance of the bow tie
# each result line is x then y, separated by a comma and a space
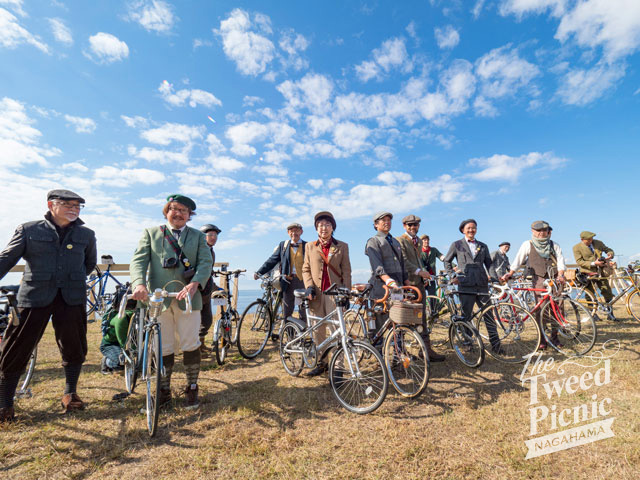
294, 244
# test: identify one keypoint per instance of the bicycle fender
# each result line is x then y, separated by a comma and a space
298, 322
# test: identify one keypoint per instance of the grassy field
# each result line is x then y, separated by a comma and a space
257, 422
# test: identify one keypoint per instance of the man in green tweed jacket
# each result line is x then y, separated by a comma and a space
192, 269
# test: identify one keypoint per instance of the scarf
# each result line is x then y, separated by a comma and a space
542, 246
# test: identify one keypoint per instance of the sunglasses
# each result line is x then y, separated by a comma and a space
412, 224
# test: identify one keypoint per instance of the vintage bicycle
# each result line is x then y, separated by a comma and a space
225, 328
98, 299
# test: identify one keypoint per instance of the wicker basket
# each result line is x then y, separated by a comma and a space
405, 313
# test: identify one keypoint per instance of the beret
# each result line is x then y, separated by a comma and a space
186, 201
62, 194
464, 222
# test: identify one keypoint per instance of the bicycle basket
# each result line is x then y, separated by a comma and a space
405, 313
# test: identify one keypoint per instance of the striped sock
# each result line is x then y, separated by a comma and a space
167, 363
192, 366
71, 373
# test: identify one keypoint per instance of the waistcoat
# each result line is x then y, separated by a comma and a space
539, 265
297, 260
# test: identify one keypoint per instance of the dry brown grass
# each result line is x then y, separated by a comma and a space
257, 422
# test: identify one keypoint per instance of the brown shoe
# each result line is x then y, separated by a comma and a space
191, 392
433, 356
7, 415
71, 401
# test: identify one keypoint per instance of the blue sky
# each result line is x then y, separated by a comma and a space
507, 111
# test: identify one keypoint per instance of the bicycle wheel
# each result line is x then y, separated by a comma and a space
132, 351
25, 379
153, 360
277, 320
356, 328
633, 304
92, 299
467, 343
518, 334
253, 329
405, 355
220, 342
570, 329
364, 390
438, 320
291, 355
585, 298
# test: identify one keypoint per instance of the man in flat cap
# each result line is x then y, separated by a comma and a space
289, 257
206, 315
590, 257
500, 259
59, 253
171, 252
417, 272
544, 260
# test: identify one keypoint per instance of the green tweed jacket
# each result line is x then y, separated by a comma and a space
584, 256
153, 249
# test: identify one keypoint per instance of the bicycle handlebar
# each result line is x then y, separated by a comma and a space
158, 295
215, 273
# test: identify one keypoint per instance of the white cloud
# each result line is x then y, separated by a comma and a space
333, 183
392, 54
391, 178
412, 31
293, 44
81, 124
154, 15
583, 86
505, 167
243, 134
484, 108
224, 163
315, 182
193, 97
77, 166
313, 92
446, 37
170, 132
521, 7
477, 8
250, 101
13, 34
15, 5
60, 31
350, 136
106, 48
124, 177
163, 157
135, 122
250, 50
503, 72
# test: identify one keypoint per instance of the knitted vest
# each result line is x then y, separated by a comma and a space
297, 259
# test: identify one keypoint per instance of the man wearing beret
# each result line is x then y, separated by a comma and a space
589, 255
472, 275
289, 256
59, 253
500, 259
544, 260
206, 315
171, 252
417, 272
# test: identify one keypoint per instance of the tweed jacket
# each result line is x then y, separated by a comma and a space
471, 269
500, 262
313, 264
411, 255
384, 259
281, 257
584, 256
52, 263
153, 249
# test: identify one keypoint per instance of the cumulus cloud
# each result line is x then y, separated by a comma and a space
243, 134
244, 41
250, 101
350, 136
162, 157
312, 92
12, 34
392, 54
106, 48
60, 31
135, 122
170, 132
192, 97
15, 5
505, 167
154, 15
293, 44
519, 8
447, 37
502, 72
81, 125
583, 86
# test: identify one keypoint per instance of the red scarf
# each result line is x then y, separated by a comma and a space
426, 250
326, 282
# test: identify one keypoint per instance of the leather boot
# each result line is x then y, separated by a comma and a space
433, 356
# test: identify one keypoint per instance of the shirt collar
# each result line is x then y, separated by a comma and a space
172, 229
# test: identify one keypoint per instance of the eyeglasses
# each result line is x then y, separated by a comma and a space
68, 205
179, 210
324, 225
412, 224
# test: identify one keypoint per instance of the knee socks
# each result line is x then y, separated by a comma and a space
192, 366
8, 385
167, 363
71, 373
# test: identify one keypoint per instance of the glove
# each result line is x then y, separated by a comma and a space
310, 291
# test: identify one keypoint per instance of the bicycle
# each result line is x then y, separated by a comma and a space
223, 329
570, 331
259, 319
151, 368
404, 351
98, 300
357, 373
9, 315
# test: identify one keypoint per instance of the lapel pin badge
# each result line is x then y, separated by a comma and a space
69, 246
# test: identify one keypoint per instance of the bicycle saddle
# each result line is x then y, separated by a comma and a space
9, 288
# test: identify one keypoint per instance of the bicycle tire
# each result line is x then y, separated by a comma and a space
518, 333
131, 353
438, 320
25, 379
405, 355
220, 344
365, 392
277, 319
586, 298
356, 327
573, 334
153, 374
292, 362
633, 304
467, 344
254, 329
92, 300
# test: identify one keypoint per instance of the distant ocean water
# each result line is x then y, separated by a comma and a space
245, 297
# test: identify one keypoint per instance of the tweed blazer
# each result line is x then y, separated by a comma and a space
52, 263
384, 259
412, 259
584, 256
471, 269
313, 264
153, 249
281, 257
500, 262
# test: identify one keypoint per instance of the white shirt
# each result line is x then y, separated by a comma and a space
525, 249
472, 246
171, 229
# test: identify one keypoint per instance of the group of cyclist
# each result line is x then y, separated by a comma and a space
59, 253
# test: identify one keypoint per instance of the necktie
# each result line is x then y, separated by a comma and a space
415, 241
176, 232
592, 249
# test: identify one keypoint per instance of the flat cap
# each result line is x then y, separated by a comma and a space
586, 235
208, 227
380, 215
411, 219
423, 236
504, 243
182, 199
464, 222
326, 216
540, 225
294, 225
62, 194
